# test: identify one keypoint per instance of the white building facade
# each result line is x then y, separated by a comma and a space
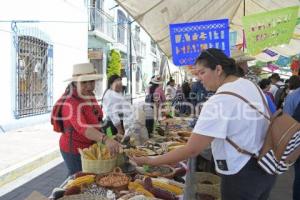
37, 54
41, 40
109, 29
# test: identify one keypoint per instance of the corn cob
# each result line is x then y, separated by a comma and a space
89, 154
88, 179
139, 181
93, 150
139, 188
134, 185
158, 192
81, 152
144, 192
169, 181
98, 153
171, 188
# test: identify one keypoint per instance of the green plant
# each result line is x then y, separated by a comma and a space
114, 63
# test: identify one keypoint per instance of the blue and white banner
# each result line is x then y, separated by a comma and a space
189, 39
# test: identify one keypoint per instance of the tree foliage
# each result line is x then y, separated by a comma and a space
114, 63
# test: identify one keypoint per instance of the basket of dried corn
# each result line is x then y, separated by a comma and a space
206, 178
204, 191
97, 159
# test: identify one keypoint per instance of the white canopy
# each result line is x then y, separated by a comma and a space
156, 15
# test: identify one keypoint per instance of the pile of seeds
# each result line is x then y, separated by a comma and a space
94, 189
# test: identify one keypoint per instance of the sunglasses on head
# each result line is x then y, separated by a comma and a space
211, 55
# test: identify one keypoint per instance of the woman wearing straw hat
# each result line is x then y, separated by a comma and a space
81, 116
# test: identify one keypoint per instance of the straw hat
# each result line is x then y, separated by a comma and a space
156, 80
84, 72
239, 56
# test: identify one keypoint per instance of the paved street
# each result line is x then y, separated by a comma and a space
54, 177
43, 184
284, 187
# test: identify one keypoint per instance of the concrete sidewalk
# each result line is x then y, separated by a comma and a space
26, 149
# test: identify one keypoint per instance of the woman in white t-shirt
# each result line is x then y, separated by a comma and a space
225, 116
118, 110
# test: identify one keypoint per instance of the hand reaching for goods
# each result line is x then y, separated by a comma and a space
143, 160
119, 137
113, 146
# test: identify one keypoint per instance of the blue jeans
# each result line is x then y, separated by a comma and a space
296, 187
72, 161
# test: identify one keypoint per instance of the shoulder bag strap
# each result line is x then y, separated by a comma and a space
245, 100
264, 101
243, 151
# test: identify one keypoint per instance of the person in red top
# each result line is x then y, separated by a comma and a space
82, 117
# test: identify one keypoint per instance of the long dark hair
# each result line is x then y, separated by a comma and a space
150, 96
153, 88
212, 57
110, 81
70, 89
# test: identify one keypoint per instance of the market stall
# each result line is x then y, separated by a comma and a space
108, 177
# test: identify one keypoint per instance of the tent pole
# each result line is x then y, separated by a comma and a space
244, 13
130, 60
168, 67
244, 8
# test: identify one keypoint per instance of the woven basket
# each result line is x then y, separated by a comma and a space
83, 197
156, 174
98, 166
116, 172
205, 177
120, 159
208, 190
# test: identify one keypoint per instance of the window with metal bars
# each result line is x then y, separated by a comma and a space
122, 21
34, 76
